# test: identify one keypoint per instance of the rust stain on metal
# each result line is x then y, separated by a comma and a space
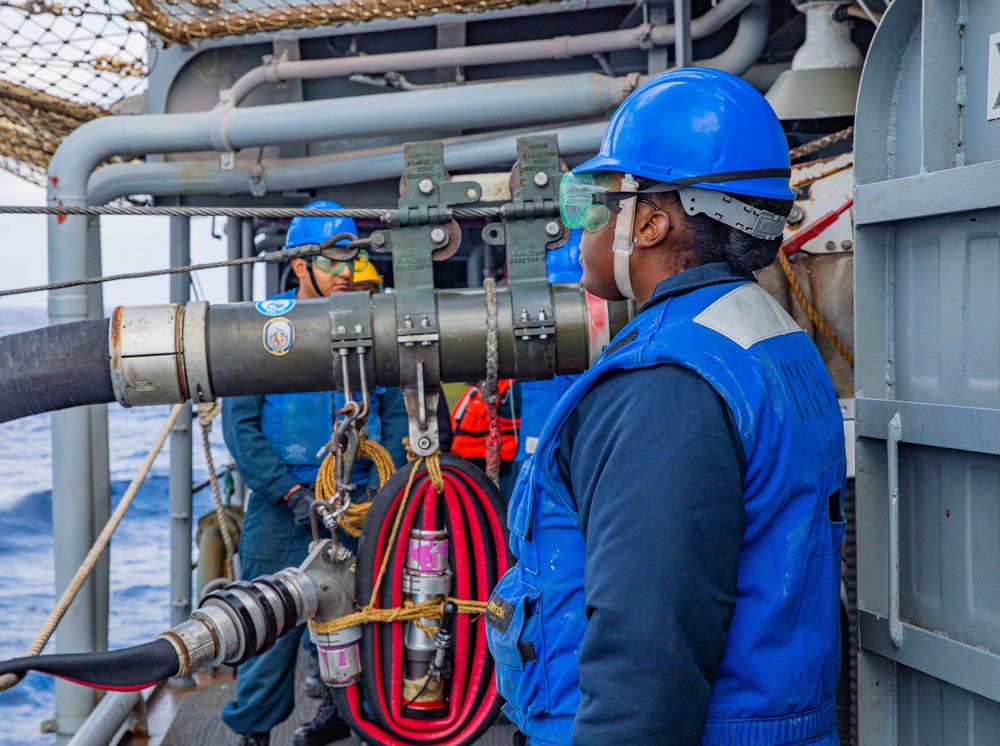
179, 346
806, 173
116, 337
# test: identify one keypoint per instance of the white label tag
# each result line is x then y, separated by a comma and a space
530, 444
993, 80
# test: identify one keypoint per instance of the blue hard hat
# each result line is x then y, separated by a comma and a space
563, 264
697, 122
305, 230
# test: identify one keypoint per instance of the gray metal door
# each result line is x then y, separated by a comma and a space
927, 272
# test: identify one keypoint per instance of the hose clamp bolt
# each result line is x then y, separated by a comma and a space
541, 179
439, 236
553, 228
426, 186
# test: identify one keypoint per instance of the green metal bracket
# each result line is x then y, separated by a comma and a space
424, 227
351, 333
535, 192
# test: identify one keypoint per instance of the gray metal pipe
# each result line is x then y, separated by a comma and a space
110, 188
683, 55
494, 105
106, 719
460, 154
558, 48
247, 249
180, 449
100, 451
72, 535
503, 104
704, 25
749, 42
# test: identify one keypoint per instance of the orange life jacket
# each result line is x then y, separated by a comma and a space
470, 423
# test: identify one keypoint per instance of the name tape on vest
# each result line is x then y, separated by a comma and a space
499, 613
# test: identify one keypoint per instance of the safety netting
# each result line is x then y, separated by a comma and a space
65, 62
62, 64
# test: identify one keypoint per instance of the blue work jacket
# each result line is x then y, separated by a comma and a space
776, 674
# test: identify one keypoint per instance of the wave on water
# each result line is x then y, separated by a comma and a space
140, 571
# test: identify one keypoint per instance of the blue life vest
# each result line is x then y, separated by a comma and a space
538, 398
299, 425
776, 681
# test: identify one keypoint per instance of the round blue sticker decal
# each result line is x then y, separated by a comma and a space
275, 307
279, 336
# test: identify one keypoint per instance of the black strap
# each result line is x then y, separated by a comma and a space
519, 739
610, 199
527, 651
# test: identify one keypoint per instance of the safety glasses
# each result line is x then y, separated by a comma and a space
577, 205
335, 266
586, 200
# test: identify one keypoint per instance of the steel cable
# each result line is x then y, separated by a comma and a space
270, 257
277, 213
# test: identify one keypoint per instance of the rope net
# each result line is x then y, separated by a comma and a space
62, 64
65, 62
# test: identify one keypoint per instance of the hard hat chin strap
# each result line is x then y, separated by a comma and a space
623, 244
312, 278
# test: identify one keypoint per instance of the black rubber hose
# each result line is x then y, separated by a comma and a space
128, 669
54, 368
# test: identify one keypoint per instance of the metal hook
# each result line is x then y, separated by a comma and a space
366, 402
346, 457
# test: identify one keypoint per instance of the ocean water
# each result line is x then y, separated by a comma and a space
140, 573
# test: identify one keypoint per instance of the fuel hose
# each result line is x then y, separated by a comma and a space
413, 689
470, 509
126, 670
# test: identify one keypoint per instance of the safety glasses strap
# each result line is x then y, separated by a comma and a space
623, 244
610, 198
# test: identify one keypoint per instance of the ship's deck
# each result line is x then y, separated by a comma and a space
190, 717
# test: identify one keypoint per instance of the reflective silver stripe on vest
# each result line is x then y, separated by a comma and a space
747, 315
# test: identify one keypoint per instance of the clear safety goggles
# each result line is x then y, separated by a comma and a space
335, 266
586, 200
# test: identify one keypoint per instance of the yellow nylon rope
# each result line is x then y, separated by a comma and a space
409, 611
326, 483
824, 328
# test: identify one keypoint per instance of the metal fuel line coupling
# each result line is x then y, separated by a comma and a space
243, 619
159, 354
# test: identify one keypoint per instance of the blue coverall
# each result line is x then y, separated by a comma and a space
272, 540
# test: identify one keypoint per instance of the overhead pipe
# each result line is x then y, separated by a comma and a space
501, 104
748, 44
558, 48
170, 178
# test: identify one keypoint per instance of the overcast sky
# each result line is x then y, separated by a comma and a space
130, 244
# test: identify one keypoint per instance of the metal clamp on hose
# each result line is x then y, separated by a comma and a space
147, 361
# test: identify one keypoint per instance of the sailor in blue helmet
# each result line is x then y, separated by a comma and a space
535, 399
678, 527
274, 440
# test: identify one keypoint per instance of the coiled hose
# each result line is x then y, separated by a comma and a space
471, 509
